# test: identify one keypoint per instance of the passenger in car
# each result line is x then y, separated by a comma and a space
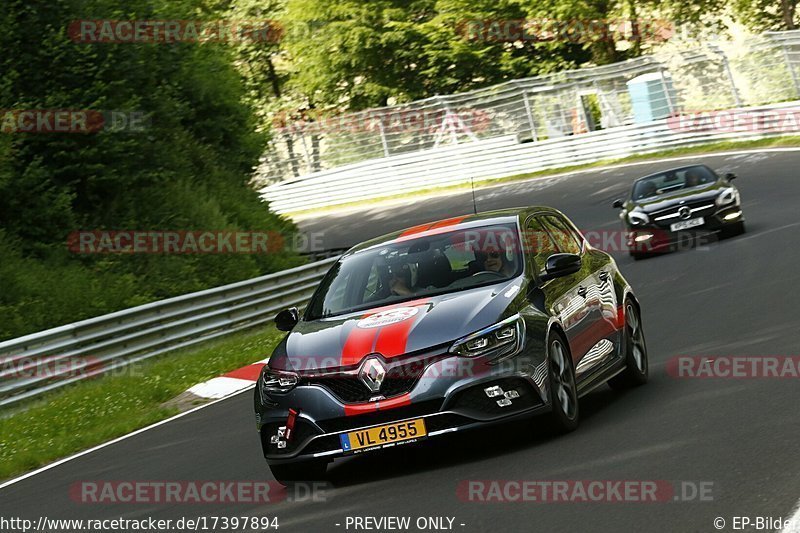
400, 281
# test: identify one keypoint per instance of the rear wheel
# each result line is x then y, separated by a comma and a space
636, 364
563, 391
290, 473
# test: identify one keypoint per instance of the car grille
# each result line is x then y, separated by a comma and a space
668, 216
348, 387
380, 417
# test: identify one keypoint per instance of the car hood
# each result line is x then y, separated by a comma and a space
708, 192
397, 329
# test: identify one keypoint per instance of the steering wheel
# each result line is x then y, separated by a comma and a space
498, 274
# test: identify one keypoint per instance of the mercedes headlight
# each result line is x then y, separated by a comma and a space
500, 340
277, 381
638, 218
728, 196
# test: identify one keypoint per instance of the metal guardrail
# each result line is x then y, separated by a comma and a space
494, 158
47, 360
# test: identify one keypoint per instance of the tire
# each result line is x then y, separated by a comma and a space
565, 412
636, 363
733, 230
637, 257
290, 473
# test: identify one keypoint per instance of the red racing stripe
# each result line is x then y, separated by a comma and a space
362, 408
358, 344
249, 372
392, 339
416, 229
424, 230
448, 222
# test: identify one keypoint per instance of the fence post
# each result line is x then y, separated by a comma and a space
383, 137
305, 151
727, 68
667, 94
528, 112
791, 68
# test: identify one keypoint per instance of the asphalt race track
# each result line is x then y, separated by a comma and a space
737, 297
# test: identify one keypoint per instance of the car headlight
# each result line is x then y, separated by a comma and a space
728, 196
277, 381
502, 339
637, 218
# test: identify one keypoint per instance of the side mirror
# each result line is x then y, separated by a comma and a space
617, 204
730, 176
560, 265
287, 319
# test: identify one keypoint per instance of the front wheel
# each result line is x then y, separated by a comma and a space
290, 473
636, 364
563, 391
733, 230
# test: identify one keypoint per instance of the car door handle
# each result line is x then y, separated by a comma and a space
582, 291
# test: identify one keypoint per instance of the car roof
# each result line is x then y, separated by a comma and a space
486, 218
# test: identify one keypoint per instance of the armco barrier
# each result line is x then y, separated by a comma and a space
492, 158
30, 365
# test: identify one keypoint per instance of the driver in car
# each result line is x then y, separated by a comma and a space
692, 179
496, 261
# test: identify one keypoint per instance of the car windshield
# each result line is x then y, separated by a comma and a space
416, 266
673, 180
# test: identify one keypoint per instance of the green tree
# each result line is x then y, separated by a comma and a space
188, 169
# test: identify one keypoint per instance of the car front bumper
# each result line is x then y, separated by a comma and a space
659, 238
446, 397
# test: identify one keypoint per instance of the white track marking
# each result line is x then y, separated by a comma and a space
647, 162
220, 387
332, 211
794, 522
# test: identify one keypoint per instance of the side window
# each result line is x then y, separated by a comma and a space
538, 244
564, 235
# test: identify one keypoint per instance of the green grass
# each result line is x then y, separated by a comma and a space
97, 410
722, 146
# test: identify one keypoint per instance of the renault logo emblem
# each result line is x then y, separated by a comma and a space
684, 212
372, 373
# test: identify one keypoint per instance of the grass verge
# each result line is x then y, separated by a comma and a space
91, 412
709, 148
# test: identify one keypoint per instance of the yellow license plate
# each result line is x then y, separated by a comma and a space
382, 435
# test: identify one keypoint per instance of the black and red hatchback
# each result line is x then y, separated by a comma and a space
444, 327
